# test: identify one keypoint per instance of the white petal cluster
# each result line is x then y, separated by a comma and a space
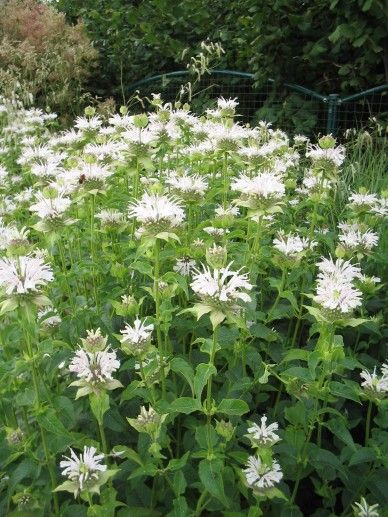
263, 434
292, 245
163, 212
335, 287
84, 468
136, 336
375, 383
187, 185
50, 207
354, 238
94, 367
223, 285
184, 266
363, 509
261, 476
336, 155
24, 274
363, 200
266, 185
110, 217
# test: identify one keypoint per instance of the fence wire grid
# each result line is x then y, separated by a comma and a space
292, 107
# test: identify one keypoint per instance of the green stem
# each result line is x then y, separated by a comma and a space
209, 391
92, 248
277, 299
26, 329
158, 322
64, 271
200, 506
368, 421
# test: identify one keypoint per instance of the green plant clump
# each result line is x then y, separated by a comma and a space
192, 317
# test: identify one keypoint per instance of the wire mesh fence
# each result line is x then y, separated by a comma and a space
292, 107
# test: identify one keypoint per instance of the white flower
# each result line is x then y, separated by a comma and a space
110, 217
336, 155
373, 382
262, 476
263, 434
333, 294
137, 338
265, 185
292, 245
87, 124
365, 510
49, 317
222, 285
83, 469
184, 266
216, 232
227, 103
335, 290
24, 274
363, 200
187, 185
94, 367
50, 207
162, 212
353, 237
10, 235
231, 211
340, 269
93, 173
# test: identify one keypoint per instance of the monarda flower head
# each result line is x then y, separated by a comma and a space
336, 293
292, 246
259, 192
263, 435
94, 371
219, 290
136, 340
157, 213
260, 476
23, 278
190, 187
85, 473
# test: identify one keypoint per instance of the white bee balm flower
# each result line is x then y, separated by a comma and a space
24, 274
84, 469
264, 434
262, 476
156, 211
221, 285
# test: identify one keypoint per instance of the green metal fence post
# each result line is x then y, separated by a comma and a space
333, 101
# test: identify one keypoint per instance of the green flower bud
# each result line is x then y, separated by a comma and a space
327, 142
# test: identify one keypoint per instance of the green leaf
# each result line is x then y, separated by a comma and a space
99, 404
179, 365
52, 424
180, 508
338, 427
178, 463
217, 317
347, 390
185, 405
202, 374
210, 474
233, 407
363, 455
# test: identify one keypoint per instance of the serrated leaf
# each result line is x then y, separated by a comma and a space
233, 407
202, 373
210, 474
185, 405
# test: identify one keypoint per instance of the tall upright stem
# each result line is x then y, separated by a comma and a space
157, 309
26, 323
209, 390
